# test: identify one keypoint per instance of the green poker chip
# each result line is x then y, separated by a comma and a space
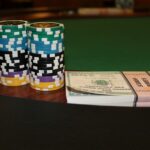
13, 34
45, 28
13, 25
35, 37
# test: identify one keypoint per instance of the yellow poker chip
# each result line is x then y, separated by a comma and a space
14, 81
47, 86
47, 89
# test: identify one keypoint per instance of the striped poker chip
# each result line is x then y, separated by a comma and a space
58, 74
42, 69
46, 78
45, 52
39, 63
45, 59
46, 64
45, 38
13, 41
51, 88
12, 66
40, 73
46, 34
48, 59
43, 63
47, 28
48, 71
13, 34
47, 85
12, 69
42, 55
19, 52
16, 74
43, 79
15, 55
12, 58
15, 61
13, 25
13, 31
17, 81
46, 46
12, 45
52, 67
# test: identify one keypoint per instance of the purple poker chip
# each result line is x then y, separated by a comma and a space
13, 74
46, 78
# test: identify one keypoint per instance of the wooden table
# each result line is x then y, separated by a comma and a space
28, 93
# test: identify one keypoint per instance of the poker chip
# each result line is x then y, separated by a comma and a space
32, 53
44, 73
46, 78
46, 37
13, 24
8, 45
13, 53
16, 74
47, 89
46, 28
46, 58
13, 35
17, 81
47, 86
46, 55
47, 47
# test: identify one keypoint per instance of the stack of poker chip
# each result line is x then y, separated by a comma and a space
13, 53
46, 55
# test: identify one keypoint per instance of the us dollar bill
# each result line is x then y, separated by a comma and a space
104, 83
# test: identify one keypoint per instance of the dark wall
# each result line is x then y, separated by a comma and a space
142, 5
73, 3
55, 3
6, 4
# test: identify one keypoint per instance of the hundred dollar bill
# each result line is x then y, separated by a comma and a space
98, 88
102, 83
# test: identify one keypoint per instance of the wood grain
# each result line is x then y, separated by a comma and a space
28, 93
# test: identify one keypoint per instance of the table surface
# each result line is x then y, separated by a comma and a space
37, 125
31, 125
27, 92
117, 44
110, 44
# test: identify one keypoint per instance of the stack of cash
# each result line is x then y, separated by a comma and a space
98, 88
126, 89
140, 82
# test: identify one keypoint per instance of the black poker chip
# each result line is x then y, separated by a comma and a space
13, 69
45, 72
14, 61
46, 68
24, 52
49, 56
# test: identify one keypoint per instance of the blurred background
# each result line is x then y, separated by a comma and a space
47, 9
